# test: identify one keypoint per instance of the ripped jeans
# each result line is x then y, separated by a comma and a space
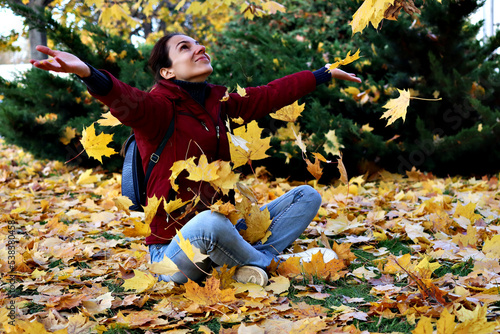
216, 236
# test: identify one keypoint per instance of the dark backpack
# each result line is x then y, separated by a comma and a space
134, 181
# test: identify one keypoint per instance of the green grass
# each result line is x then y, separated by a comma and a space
122, 329
460, 268
383, 325
34, 308
395, 246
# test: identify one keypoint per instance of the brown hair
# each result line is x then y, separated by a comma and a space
159, 57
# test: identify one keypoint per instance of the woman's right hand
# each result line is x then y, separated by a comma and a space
61, 62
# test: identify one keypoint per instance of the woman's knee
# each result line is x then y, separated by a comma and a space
311, 195
208, 223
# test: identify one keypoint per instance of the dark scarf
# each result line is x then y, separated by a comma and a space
197, 90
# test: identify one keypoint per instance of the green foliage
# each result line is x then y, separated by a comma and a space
437, 53
38, 93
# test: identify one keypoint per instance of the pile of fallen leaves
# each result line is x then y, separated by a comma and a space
80, 264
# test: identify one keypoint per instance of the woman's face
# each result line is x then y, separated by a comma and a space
189, 60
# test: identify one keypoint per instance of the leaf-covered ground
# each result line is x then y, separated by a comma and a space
417, 253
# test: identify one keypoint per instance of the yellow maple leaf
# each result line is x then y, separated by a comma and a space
424, 326
257, 222
241, 91
271, 7
22, 326
331, 270
227, 178
446, 323
204, 171
426, 268
397, 107
123, 203
210, 294
467, 211
289, 113
87, 178
332, 144
96, 146
347, 60
371, 11
474, 321
107, 119
193, 253
491, 247
174, 205
257, 147
151, 208
68, 134
164, 267
238, 120
177, 168
140, 282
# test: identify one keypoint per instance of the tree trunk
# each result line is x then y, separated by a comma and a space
37, 37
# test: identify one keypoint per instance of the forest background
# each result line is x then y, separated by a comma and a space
412, 247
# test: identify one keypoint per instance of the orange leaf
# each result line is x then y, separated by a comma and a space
210, 294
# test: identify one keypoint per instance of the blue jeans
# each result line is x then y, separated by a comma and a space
216, 236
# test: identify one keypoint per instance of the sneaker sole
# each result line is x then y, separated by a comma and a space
248, 274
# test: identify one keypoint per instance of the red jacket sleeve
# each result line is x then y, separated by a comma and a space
136, 108
262, 100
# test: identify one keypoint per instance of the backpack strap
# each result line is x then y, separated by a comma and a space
155, 157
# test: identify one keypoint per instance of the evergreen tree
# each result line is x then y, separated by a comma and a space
435, 53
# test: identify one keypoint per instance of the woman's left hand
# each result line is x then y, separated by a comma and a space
341, 75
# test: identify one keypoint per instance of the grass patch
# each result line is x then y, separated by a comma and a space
460, 268
122, 329
112, 286
34, 308
343, 288
383, 325
395, 246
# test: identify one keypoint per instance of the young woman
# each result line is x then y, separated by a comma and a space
181, 67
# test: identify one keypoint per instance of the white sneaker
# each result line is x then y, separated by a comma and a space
251, 274
306, 256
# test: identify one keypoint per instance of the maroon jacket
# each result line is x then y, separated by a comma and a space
198, 130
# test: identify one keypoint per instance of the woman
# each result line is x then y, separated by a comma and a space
181, 67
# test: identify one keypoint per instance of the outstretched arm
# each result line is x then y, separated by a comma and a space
61, 62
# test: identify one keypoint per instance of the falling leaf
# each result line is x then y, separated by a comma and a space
342, 170
289, 113
272, 7
151, 208
299, 142
225, 97
332, 144
241, 91
164, 267
315, 169
96, 146
347, 60
193, 253
371, 11
397, 107
69, 133
174, 205
107, 119
257, 147
257, 222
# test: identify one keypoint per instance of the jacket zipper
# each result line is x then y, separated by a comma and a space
216, 125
